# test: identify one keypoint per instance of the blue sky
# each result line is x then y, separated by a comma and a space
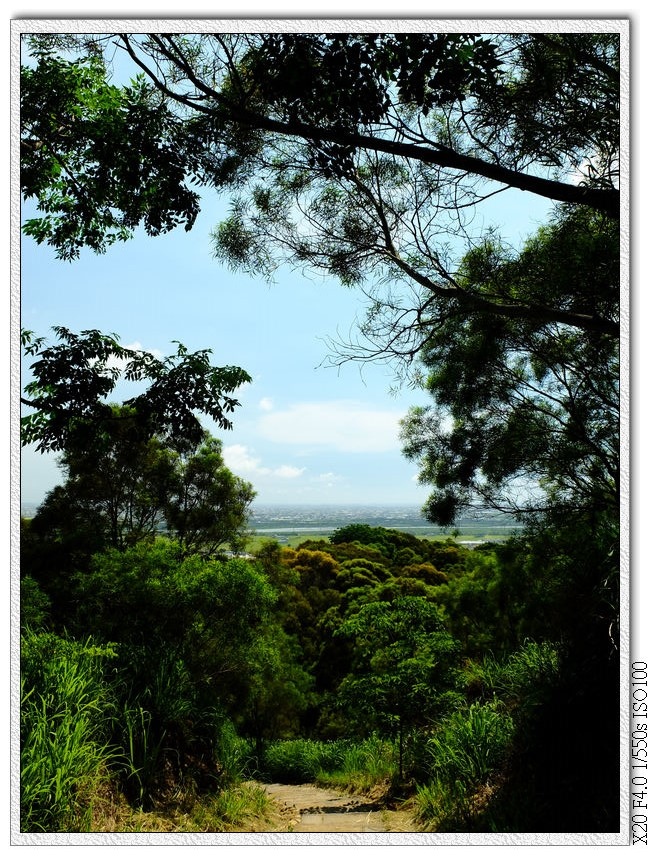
306, 432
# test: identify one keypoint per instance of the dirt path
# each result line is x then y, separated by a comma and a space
306, 808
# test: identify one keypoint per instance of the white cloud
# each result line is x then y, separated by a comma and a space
287, 472
346, 426
329, 479
137, 346
266, 404
121, 362
240, 460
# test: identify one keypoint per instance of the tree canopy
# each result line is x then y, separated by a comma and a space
71, 380
140, 467
123, 489
525, 416
378, 177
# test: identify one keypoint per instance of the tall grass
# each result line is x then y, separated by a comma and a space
471, 744
137, 727
159, 725
529, 674
65, 715
233, 754
142, 752
466, 753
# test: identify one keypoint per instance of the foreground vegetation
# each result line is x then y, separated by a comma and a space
155, 684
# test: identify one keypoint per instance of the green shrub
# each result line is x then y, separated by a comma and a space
523, 679
298, 761
356, 764
362, 765
34, 604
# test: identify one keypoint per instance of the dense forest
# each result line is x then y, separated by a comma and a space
169, 660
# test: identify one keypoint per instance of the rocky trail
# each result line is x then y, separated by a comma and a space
306, 808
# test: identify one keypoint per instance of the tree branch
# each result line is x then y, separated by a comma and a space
605, 200
475, 302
